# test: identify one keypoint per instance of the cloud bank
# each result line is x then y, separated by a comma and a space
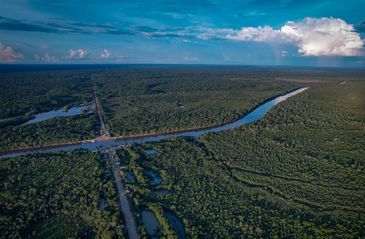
8, 55
77, 54
313, 36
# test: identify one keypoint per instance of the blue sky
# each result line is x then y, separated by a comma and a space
246, 32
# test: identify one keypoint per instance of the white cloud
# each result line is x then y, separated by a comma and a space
205, 33
105, 54
7, 54
324, 37
259, 34
313, 36
77, 54
82, 53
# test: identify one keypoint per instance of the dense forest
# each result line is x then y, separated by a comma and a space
137, 101
142, 193
23, 94
298, 173
27, 93
58, 195
53, 131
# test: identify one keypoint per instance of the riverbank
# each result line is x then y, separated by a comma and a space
102, 142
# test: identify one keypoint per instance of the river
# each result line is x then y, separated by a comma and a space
94, 145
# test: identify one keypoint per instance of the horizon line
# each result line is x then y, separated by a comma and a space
4, 65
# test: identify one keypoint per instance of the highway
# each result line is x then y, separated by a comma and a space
122, 197
104, 130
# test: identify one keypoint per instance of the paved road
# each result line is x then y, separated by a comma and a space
123, 200
254, 115
101, 118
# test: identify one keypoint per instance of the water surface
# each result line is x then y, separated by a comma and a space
151, 223
257, 114
102, 204
154, 176
59, 113
150, 151
175, 224
130, 177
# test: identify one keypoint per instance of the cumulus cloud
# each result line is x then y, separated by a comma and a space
77, 54
8, 55
259, 34
313, 36
105, 54
324, 37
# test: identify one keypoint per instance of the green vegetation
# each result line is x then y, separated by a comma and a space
23, 94
57, 195
52, 131
138, 100
142, 194
27, 93
297, 173
151, 100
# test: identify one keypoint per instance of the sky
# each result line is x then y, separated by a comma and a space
234, 32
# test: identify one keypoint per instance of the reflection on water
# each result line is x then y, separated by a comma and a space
151, 224
155, 177
175, 224
257, 114
150, 151
59, 113
102, 204
130, 177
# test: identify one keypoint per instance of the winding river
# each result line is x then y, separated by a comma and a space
94, 145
